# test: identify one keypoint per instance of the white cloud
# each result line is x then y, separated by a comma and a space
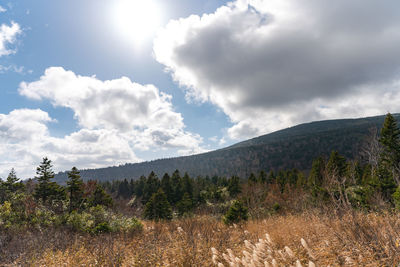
117, 117
25, 139
14, 68
272, 64
2, 9
8, 36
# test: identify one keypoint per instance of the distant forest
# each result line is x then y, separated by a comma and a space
294, 147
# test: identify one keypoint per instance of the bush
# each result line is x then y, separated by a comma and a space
97, 220
396, 198
236, 213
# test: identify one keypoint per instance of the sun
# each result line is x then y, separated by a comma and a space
137, 20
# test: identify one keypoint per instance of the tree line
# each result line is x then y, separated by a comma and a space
333, 181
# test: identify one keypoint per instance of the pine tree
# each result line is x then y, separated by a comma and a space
158, 207
236, 213
100, 197
185, 205
337, 165
75, 189
187, 185
166, 186
262, 178
252, 178
46, 190
316, 174
176, 183
123, 189
390, 141
151, 186
271, 177
11, 184
234, 186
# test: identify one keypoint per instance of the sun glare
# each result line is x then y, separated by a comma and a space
137, 20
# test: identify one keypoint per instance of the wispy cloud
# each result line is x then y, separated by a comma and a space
14, 68
8, 36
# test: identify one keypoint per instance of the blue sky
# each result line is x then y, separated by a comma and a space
206, 75
80, 36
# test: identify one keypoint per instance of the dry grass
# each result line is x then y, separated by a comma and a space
353, 239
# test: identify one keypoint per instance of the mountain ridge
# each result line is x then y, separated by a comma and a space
293, 147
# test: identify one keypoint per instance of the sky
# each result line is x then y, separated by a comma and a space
99, 83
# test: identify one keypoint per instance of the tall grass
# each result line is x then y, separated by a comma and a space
307, 239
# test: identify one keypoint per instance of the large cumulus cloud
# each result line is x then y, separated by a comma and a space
25, 139
116, 118
272, 64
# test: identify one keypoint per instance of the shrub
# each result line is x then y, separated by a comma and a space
236, 213
97, 220
396, 198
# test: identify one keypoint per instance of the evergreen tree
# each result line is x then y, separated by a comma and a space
316, 174
187, 185
123, 189
185, 205
281, 180
271, 177
10, 186
293, 176
158, 207
252, 178
262, 178
234, 186
390, 141
176, 183
46, 190
151, 186
12, 183
100, 197
337, 165
75, 189
166, 186
236, 213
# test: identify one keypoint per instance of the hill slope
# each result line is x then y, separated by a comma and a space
293, 147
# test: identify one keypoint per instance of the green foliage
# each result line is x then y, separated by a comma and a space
97, 220
359, 196
396, 198
100, 197
185, 205
176, 183
10, 186
75, 189
158, 207
234, 186
336, 165
390, 141
166, 186
295, 147
236, 213
46, 190
252, 178
150, 187
276, 207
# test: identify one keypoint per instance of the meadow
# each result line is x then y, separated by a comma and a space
307, 239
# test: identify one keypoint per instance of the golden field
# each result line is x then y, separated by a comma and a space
348, 239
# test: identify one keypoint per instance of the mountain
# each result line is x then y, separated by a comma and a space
294, 147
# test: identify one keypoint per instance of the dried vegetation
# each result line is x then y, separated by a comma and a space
307, 239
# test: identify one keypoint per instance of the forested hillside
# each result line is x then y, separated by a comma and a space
293, 147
